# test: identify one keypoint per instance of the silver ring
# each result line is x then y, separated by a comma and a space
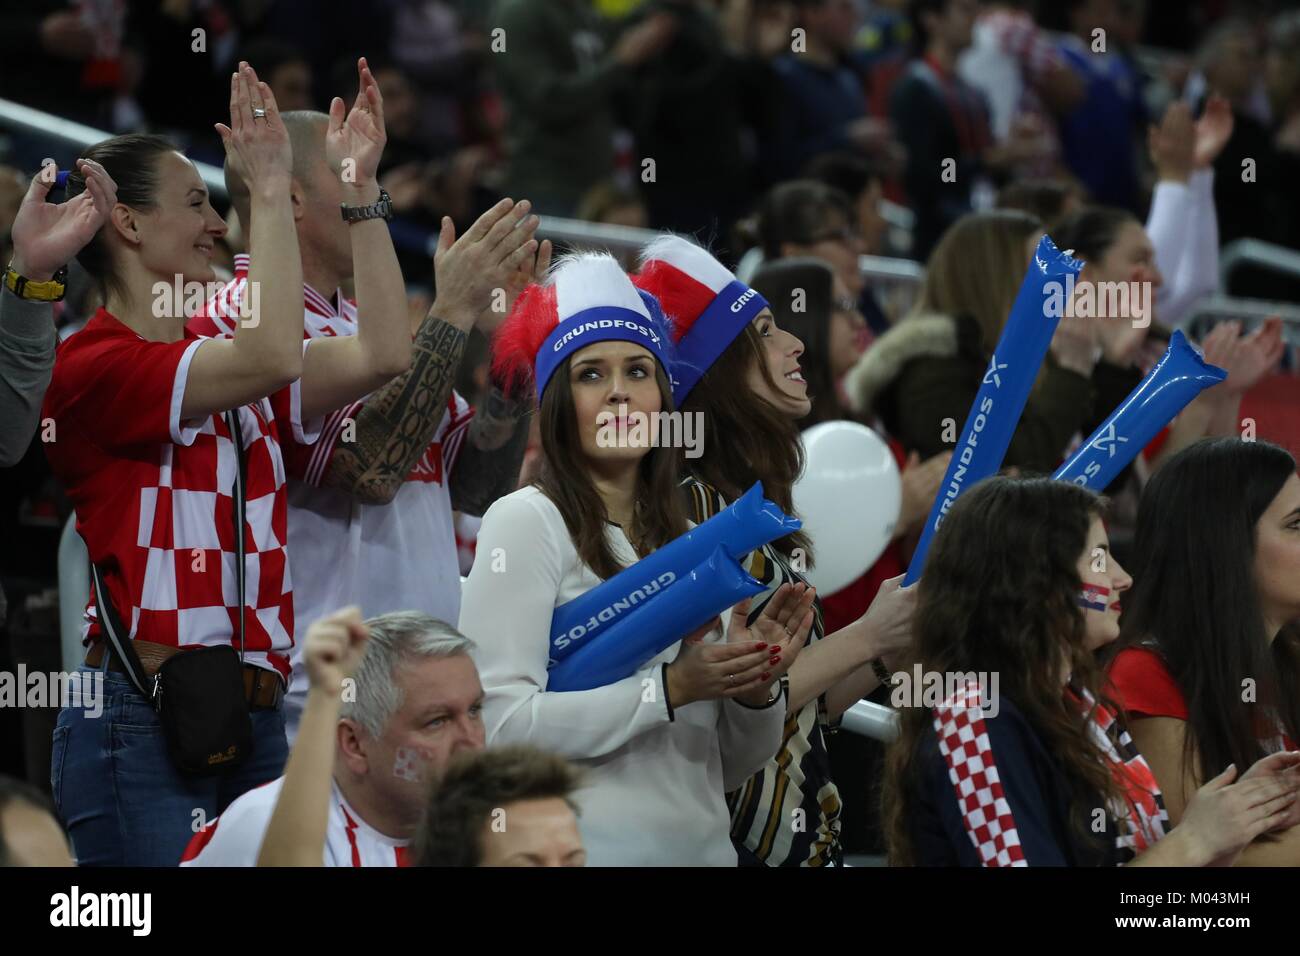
731, 679
259, 113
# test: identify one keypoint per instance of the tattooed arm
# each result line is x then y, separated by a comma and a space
396, 423
489, 462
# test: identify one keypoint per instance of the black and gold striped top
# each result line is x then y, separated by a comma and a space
787, 814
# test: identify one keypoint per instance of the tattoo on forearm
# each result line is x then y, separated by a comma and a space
489, 462
397, 423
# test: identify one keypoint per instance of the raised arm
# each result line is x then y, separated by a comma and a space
45, 237
397, 422
340, 370
296, 834
265, 353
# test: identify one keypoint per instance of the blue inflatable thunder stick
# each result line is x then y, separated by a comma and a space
1180, 375
749, 522
1007, 382
619, 651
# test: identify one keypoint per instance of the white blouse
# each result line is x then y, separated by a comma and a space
654, 783
1184, 229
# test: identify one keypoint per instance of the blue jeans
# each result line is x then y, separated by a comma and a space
119, 796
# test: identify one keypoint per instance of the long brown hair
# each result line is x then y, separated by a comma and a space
565, 478
976, 269
747, 438
1000, 595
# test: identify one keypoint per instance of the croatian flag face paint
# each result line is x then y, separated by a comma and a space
1094, 597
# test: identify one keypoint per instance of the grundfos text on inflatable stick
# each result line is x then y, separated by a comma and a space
619, 651
1181, 374
750, 522
1001, 399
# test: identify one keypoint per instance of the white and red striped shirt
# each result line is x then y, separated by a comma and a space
398, 556
152, 492
235, 837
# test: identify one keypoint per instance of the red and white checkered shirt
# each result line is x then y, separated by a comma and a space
153, 493
401, 555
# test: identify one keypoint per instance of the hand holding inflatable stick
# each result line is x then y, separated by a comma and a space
750, 522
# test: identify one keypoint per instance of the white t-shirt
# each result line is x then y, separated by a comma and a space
235, 837
655, 785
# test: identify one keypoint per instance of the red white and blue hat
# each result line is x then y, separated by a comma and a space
586, 298
707, 305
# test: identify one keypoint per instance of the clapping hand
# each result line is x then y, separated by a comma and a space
355, 139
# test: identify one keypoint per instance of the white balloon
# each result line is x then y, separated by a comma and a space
848, 498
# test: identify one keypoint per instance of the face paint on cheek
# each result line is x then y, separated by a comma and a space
411, 764
1093, 597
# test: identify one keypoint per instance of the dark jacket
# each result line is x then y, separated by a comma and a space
558, 81
1037, 804
929, 368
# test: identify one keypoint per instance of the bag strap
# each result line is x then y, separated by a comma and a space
118, 637
119, 640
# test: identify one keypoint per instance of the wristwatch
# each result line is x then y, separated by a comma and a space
382, 208
51, 290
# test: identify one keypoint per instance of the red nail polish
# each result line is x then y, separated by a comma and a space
765, 676
774, 660
762, 647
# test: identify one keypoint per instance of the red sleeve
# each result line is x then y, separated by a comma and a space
121, 390
1141, 683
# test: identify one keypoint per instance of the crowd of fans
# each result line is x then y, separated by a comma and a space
409, 452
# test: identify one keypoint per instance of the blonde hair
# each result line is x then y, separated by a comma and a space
976, 269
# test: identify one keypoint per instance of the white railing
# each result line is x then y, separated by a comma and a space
48, 126
871, 720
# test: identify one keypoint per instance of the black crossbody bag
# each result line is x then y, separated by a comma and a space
199, 694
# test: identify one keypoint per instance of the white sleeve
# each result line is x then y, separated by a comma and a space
1199, 273
506, 609
304, 433
1167, 227
1184, 229
235, 837
748, 737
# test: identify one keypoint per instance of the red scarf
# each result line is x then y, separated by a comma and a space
1142, 818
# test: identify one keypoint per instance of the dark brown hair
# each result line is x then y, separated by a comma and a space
1000, 594
747, 438
132, 162
660, 513
1091, 231
1194, 597
473, 786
